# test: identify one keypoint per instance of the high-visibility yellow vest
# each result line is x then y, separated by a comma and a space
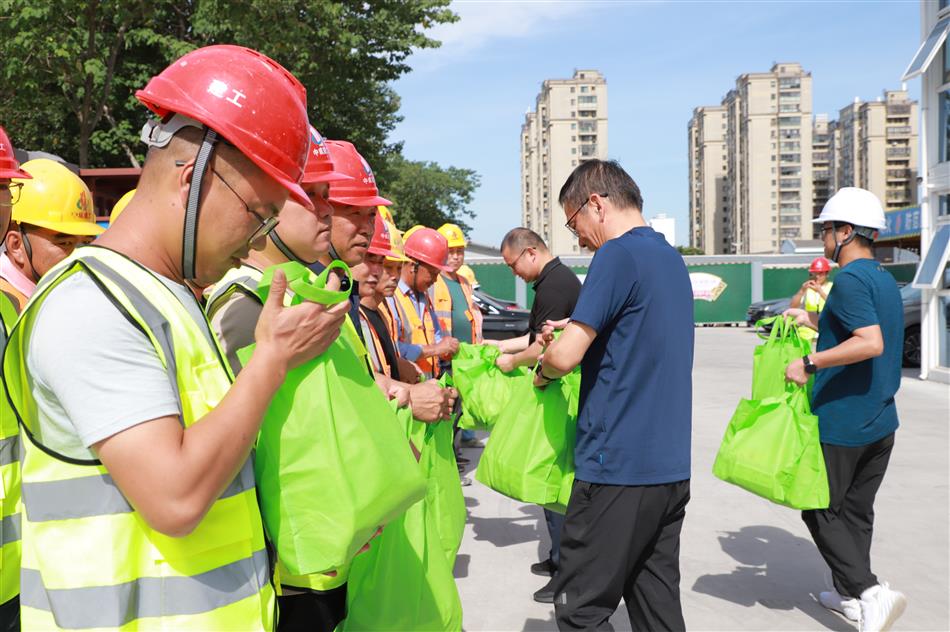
245, 280
417, 331
89, 559
9, 476
378, 355
442, 300
813, 302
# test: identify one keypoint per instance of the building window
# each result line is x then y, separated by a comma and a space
573, 150
587, 99
572, 89
572, 101
943, 207
583, 88
572, 114
943, 128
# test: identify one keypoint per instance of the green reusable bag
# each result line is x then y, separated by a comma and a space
405, 581
782, 346
772, 448
332, 463
485, 390
530, 453
443, 486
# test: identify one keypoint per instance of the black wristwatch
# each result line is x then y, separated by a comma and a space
810, 367
539, 371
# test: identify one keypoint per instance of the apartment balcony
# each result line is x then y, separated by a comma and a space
898, 152
902, 109
790, 183
898, 195
820, 156
588, 151
898, 174
899, 130
587, 113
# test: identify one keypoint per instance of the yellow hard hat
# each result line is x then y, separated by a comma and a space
120, 205
454, 235
55, 199
386, 213
468, 274
396, 244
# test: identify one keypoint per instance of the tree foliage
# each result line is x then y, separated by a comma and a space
425, 193
690, 250
70, 67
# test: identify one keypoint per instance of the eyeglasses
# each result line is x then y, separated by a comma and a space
515, 262
267, 225
14, 189
825, 229
569, 224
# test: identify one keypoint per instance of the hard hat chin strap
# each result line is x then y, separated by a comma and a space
867, 233
287, 252
28, 247
189, 245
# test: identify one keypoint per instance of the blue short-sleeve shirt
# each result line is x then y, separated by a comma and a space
855, 403
635, 413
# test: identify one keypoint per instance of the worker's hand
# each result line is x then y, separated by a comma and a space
798, 314
488, 342
448, 346
806, 285
506, 362
795, 372
548, 329
365, 547
408, 371
294, 335
430, 402
540, 382
400, 392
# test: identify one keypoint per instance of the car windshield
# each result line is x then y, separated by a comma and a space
910, 293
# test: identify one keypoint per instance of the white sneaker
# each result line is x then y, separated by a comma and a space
850, 608
880, 608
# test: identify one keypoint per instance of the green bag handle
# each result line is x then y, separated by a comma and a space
782, 327
305, 284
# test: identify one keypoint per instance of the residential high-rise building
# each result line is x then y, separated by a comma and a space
567, 127
707, 180
879, 148
822, 163
770, 137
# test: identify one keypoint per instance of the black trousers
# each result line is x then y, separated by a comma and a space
312, 611
621, 541
10, 615
842, 532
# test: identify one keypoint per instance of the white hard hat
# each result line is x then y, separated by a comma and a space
855, 206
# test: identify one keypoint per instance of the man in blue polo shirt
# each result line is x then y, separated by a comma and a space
632, 334
857, 371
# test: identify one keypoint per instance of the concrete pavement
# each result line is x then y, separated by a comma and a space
746, 564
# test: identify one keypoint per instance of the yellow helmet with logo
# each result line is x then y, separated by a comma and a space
120, 205
55, 199
468, 274
454, 235
397, 244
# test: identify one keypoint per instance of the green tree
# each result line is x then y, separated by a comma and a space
689, 250
74, 65
425, 193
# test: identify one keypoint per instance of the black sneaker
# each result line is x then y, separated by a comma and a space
546, 594
544, 569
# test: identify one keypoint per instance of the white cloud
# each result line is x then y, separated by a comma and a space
483, 22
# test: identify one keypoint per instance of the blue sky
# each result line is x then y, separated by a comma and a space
464, 102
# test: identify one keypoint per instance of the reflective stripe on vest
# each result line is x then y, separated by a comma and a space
89, 559
9, 475
376, 353
414, 330
243, 279
442, 300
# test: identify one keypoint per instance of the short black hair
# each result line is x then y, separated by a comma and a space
601, 177
521, 238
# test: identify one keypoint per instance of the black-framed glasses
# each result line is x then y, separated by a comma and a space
515, 262
569, 224
14, 188
825, 229
267, 225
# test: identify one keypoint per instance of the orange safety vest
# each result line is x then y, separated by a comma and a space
378, 356
413, 330
443, 307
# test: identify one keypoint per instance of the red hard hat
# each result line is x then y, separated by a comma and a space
427, 246
820, 266
361, 190
381, 244
319, 165
9, 167
247, 98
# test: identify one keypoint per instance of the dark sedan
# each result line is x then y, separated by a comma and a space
766, 309
501, 319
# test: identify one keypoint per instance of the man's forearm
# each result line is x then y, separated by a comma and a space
515, 345
529, 356
853, 350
